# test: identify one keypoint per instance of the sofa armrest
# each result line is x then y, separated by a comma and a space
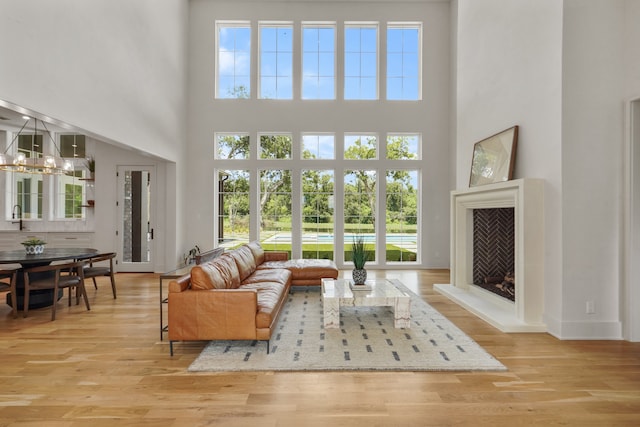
213, 314
180, 284
276, 256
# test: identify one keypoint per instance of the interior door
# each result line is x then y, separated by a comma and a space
135, 222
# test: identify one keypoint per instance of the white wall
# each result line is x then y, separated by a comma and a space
116, 69
430, 116
509, 59
593, 107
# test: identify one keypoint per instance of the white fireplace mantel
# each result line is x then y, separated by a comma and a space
527, 198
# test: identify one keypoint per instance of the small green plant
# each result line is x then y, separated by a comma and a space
359, 254
34, 242
191, 255
90, 162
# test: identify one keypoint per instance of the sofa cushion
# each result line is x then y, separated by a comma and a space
228, 268
245, 261
206, 276
303, 269
270, 298
278, 275
258, 252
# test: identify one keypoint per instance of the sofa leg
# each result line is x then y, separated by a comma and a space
268, 342
171, 348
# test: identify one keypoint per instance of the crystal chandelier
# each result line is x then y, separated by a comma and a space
31, 160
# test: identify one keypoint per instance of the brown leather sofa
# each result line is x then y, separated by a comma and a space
238, 295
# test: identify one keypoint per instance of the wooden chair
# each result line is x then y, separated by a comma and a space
12, 275
56, 276
92, 271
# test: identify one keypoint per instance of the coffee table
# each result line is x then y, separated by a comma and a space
337, 293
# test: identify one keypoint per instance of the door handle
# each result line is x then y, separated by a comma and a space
152, 234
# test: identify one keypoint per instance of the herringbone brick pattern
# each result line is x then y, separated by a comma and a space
493, 242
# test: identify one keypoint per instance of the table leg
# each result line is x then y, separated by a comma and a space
331, 312
402, 312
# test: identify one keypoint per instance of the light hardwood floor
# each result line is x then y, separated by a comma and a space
108, 367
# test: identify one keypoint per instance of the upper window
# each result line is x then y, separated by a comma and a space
234, 60
403, 146
318, 61
274, 146
403, 61
232, 146
318, 146
361, 61
276, 61
72, 146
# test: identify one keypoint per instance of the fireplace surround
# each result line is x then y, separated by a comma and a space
526, 198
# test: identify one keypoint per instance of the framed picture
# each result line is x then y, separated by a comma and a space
494, 158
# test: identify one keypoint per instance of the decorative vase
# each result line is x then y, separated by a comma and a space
359, 276
34, 249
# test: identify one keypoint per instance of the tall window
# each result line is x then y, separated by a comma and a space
317, 214
233, 207
318, 61
275, 209
403, 61
361, 61
360, 209
234, 60
276, 61
402, 215
318, 146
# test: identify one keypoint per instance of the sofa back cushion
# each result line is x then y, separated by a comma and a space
206, 276
228, 268
258, 252
244, 260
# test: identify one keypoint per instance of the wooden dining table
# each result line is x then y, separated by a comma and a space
43, 297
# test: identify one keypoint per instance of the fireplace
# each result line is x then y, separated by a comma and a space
512, 213
494, 251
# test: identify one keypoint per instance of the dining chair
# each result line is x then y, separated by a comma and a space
92, 270
12, 275
56, 276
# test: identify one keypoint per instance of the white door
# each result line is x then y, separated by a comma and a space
135, 218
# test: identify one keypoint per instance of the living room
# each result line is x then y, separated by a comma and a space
565, 72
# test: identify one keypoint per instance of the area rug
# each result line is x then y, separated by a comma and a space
366, 340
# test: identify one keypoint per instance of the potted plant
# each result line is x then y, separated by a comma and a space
90, 163
359, 256
34, 246
190, 257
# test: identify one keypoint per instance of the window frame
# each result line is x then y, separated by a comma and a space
361, 25
405, 25
318, 25
277, 25
220, 24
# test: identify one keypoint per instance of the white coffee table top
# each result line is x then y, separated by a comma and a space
339, 288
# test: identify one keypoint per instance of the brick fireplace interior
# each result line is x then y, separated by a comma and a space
494, 251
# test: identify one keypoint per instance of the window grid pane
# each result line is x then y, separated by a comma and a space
318, 147
360, 147
360, 210
232, 146
275, 146
276, 62
318, 62
361, 62
317, 214
402, 216
234, 61
233, 209
403, 62
275, 209
403, 147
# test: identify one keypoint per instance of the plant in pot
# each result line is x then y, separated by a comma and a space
359, 256
90, 163
34, 246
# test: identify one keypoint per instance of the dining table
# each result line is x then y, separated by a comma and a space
41, 297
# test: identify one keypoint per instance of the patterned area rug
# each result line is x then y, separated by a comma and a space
366, 340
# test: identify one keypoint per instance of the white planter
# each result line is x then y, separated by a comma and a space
34, 249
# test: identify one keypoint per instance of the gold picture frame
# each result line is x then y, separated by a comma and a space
494, 158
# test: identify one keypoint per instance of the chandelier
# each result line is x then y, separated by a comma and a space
30, 158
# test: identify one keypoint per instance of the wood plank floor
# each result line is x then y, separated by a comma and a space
108, 367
